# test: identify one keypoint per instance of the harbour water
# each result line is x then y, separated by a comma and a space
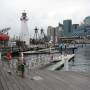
81, 60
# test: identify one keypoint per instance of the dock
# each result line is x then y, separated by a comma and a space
47, 62
61, 62
41, 51
45, 80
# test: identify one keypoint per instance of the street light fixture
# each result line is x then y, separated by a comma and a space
85, 35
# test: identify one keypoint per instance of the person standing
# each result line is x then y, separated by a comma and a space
51, 58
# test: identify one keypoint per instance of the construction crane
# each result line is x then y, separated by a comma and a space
2, 31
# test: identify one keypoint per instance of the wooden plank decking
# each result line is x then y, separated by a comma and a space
45, 80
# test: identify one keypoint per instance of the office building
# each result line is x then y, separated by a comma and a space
54, 33
75, 26
67, 25
83, 30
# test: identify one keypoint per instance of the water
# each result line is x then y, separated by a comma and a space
36, 61
82, 59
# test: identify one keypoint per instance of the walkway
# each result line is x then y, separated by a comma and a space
45, 80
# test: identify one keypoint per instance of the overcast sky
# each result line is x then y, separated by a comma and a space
41, 13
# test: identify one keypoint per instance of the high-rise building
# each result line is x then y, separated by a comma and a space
75, 26
67, 25
50, 33
54, 33
87, 21
83, 30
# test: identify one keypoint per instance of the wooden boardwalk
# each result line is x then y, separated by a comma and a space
44, 80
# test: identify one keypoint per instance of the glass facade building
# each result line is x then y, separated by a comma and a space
69, 30
82, 30
67, 25
87, 21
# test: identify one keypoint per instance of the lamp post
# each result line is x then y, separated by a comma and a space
54, 36
85, 35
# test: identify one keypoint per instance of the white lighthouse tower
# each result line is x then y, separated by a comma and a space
24, 34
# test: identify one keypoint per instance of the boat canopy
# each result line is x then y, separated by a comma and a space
4, 37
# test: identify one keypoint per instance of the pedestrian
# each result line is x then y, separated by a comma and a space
65, 49
21, 65
61, 49
51, 58
73, 60
18, 63
73, 50
8, 57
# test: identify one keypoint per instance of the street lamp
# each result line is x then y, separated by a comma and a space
54, 36
85, 35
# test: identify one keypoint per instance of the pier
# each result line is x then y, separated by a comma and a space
48, 60
45, 80
61, 62
56, 56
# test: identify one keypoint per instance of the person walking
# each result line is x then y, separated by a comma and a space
21, 66
8, 57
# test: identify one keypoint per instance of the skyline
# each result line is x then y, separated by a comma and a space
41, 13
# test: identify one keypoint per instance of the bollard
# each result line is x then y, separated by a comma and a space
22, 56
66, 66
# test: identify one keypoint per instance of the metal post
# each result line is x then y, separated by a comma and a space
0, 58
54, 35
50, 49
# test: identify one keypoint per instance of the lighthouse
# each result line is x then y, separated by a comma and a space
24, 34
